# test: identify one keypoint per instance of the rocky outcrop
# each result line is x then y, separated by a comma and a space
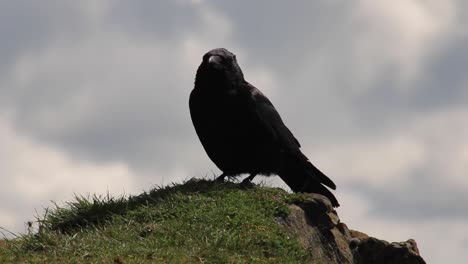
317, 226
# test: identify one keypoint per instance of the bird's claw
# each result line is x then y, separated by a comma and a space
246, 184
220, 178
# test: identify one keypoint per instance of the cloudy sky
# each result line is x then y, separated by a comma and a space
94, 99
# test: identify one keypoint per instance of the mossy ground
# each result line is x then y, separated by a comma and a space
199, 221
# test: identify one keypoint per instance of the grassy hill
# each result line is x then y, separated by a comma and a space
197, 222
202, 221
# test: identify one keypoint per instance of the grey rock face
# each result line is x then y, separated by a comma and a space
319, 229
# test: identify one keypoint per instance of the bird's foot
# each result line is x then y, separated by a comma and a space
220, 178
247, 184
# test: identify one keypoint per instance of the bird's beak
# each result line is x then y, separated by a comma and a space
214, 59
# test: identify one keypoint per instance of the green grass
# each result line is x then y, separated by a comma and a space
196, 222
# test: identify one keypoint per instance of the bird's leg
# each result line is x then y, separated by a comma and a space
221, 177
248, 181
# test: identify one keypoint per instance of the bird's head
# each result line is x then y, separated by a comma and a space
219, 67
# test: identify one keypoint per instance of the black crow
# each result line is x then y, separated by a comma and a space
242, 132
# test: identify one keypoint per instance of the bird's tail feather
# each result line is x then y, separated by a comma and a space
302, 176
316, 173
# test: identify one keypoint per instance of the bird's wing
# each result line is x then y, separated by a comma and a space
271, 120
278, 132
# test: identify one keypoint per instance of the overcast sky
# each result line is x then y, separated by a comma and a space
94, 99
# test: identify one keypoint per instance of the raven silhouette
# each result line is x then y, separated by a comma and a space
242, 132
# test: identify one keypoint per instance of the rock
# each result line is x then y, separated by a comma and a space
317, 226
373, 250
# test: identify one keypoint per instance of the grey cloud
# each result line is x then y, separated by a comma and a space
281, 41
146, 126
325, 31
321, 27
160, 20
445, 81
139, 124
143, 122
30, 26
424, 196
441, 85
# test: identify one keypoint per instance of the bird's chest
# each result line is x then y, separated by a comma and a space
229, 118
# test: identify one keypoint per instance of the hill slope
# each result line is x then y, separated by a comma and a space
202, 222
